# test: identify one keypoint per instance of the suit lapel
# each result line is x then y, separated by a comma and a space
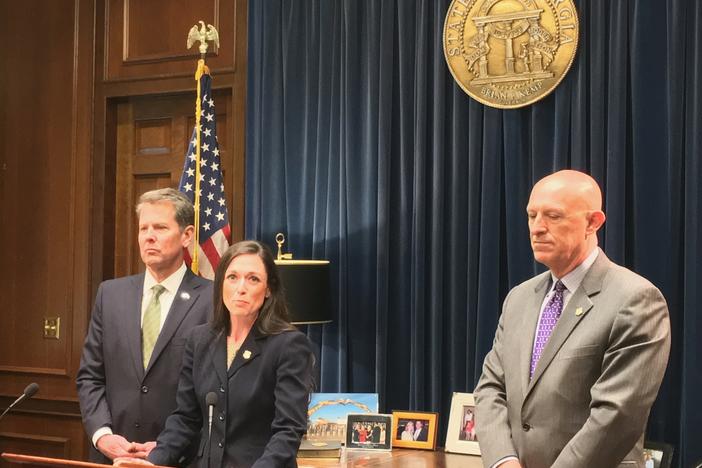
574, 313
530, 319
132, 316
249, 350
218, 356
184, 299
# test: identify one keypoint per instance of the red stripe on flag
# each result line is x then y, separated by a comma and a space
227, 231
211, 251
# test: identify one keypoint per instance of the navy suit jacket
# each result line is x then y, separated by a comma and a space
113, 388
261, 410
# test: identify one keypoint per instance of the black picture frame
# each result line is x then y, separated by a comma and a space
661, 453
366, 431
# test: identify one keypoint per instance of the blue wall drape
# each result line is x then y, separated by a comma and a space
363, 150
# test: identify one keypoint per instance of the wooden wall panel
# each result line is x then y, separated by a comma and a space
34, 227
45, 149
38, 431
148, 38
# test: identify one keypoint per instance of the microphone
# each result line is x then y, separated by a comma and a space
29, 392
211, 402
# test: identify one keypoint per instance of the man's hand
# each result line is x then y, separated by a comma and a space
114, 446
510, 464
136, 461
143, 450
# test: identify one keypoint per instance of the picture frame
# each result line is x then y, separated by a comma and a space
369, 432
460, 436
327, 414
414, 429
660, 454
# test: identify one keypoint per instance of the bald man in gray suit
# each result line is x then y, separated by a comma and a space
580, 350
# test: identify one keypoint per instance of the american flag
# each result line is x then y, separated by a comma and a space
215, 233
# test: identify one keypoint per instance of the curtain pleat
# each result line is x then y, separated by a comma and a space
363, 150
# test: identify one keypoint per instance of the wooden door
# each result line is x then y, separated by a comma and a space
152, 138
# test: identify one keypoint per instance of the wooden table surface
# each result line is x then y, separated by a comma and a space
400, 458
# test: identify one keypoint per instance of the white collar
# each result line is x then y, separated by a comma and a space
172, 283
573, 279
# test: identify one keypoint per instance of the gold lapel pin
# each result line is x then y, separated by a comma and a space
578, 311
247, 354
185, 296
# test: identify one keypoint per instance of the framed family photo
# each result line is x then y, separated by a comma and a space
414, 429
460, 437
368, 431
657, 454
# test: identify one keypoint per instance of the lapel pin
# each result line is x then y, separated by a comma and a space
185, 296
578, 311
247, 354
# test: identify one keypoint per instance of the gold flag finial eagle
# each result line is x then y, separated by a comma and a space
202, 34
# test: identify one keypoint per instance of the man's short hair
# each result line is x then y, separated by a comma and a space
184, 210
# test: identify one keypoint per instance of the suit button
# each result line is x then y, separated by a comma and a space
137, 425
526, 427
220, 445
221, 389
144, 389
221, 417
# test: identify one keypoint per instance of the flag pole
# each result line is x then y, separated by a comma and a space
202, 35
198, 110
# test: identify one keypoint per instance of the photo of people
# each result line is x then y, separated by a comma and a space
467, 429
369, 431
652, 458
412, 430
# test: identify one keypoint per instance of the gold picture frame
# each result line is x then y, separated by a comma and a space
460, 437
414, 429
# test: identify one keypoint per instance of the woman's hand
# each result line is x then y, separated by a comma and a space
143, 450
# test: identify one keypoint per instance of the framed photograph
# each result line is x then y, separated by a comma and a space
657, 454
414, 429
369, 431
327, 412
460, 437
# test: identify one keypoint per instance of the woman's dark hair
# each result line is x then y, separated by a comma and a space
273, 318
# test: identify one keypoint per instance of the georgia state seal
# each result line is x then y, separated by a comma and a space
510, 53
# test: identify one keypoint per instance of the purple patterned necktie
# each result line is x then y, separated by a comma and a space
549, 317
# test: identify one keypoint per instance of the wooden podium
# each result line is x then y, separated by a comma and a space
396, 458
45, 461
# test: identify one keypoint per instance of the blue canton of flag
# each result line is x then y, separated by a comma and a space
214, 230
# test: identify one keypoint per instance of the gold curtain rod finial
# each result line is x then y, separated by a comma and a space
280, 240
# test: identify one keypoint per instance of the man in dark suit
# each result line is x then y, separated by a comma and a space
420, 431
132, 356
580, 350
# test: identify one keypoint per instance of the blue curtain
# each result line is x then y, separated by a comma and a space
362, 149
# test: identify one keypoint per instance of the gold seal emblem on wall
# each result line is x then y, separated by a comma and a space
510, 53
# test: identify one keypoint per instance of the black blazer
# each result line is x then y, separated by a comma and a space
113, 388
261, 410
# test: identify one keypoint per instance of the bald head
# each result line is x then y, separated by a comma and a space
565, 212
580, 187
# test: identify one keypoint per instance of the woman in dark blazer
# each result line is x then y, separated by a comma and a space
255, 362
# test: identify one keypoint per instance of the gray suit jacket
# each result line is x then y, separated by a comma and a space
589, 399
113, 388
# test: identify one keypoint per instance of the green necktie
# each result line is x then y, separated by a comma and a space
151, 325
